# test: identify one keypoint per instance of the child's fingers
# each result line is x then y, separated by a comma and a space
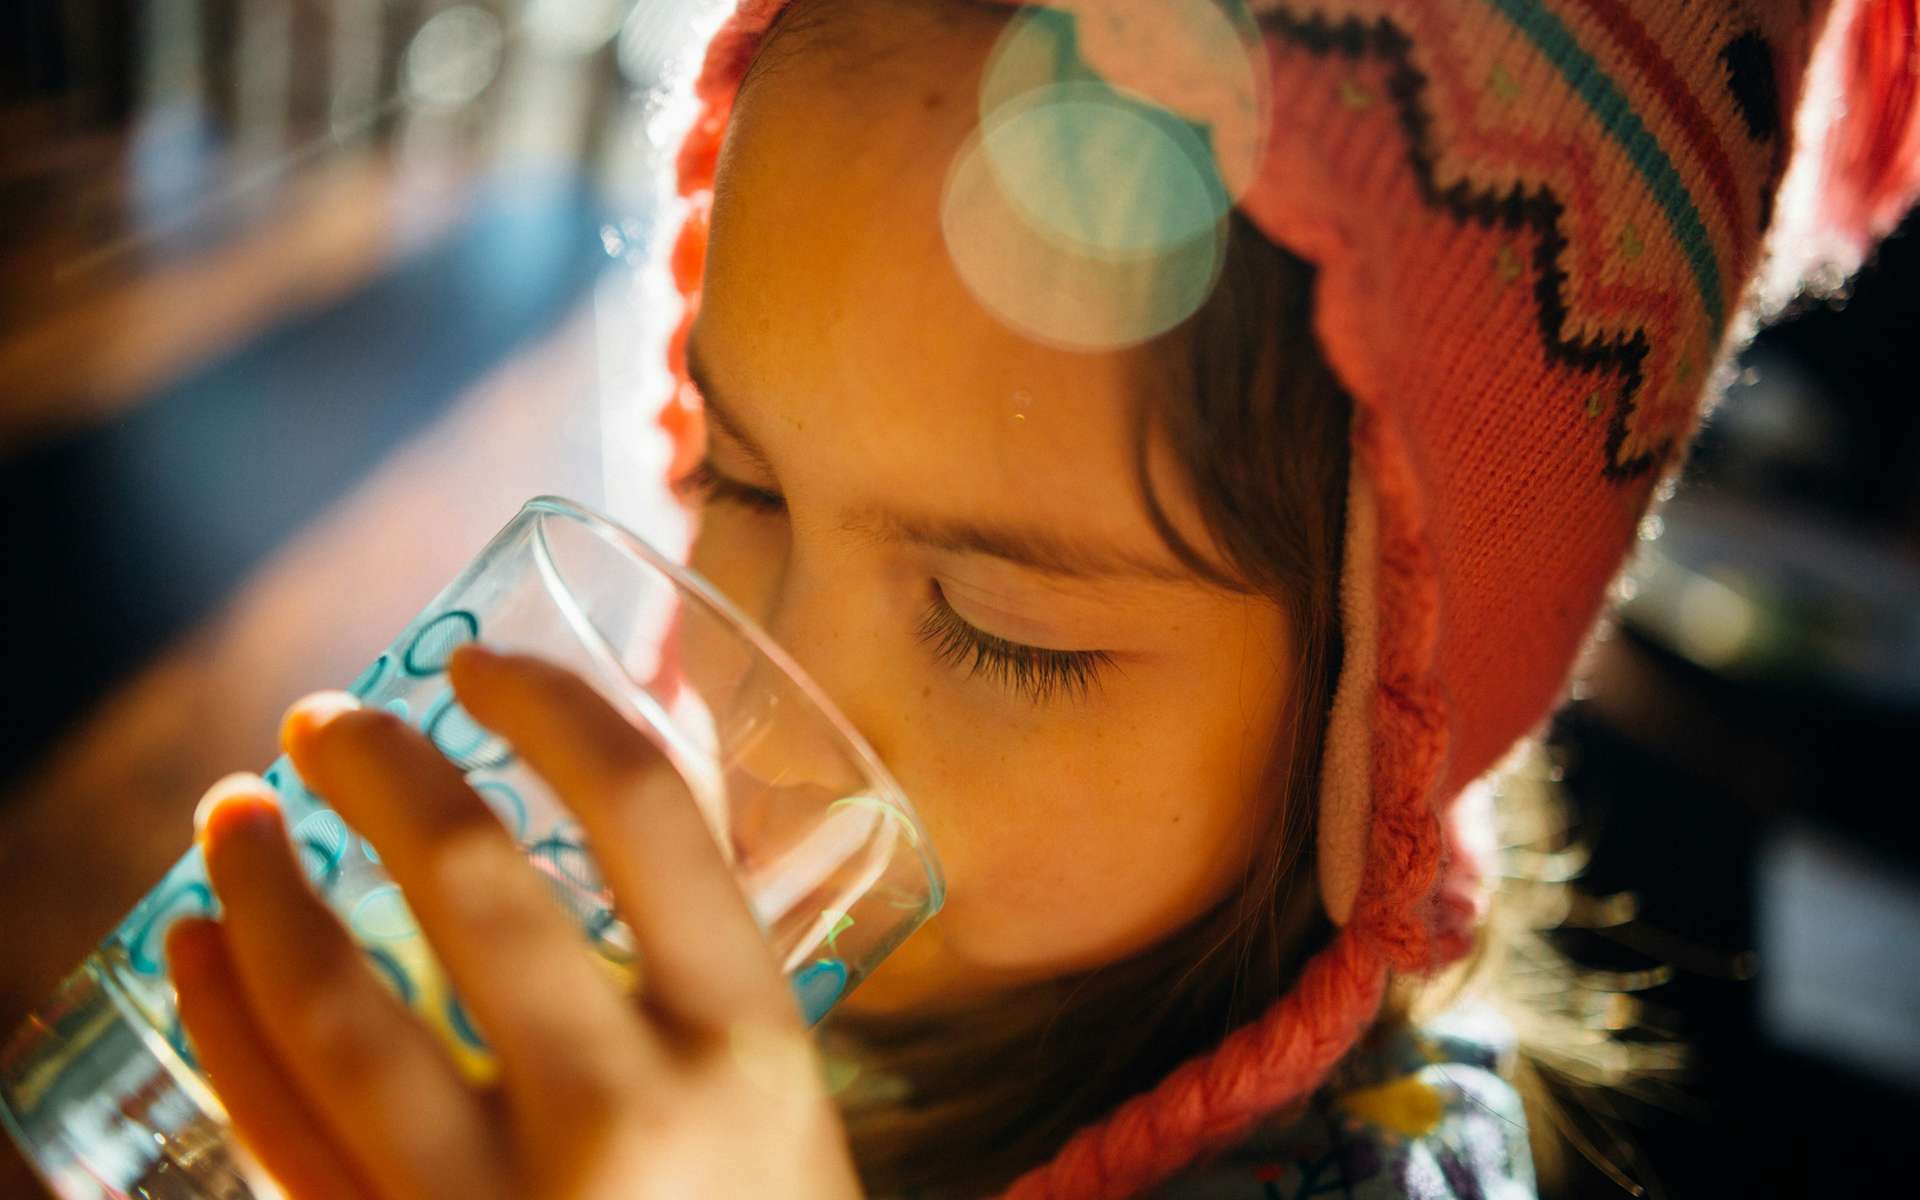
384, 1088
655, 848
565, 1035
267, 1112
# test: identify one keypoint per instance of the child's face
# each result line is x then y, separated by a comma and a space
923, 450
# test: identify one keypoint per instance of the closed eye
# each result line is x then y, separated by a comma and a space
706, 485
1030, 671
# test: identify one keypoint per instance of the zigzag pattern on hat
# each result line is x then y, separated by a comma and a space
1479, 154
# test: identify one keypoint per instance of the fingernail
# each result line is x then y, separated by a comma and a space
472, 653
178, 950
238, 784
311, 712
479, 650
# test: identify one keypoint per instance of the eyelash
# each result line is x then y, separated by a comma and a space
1030, 671
1039, 675
706, 483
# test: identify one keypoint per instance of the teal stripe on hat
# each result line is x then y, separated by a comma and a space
1553, 39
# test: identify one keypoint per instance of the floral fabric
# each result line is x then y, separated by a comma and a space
1411, 1114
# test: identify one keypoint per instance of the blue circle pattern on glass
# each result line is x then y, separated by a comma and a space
565, 853
372, 677
471, 745
190, 898
382, 916
296, 801
575, 882
505, 803
612, 940
429, 650
391, 971
462, 1024
818, 985
322, 839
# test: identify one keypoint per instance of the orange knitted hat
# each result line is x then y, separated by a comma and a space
1536, 224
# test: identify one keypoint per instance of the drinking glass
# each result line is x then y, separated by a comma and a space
100, 1086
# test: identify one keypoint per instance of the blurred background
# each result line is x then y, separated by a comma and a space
299, 299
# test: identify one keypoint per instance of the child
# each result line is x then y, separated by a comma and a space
1187, 528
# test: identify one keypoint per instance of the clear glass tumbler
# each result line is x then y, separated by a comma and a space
100, 1087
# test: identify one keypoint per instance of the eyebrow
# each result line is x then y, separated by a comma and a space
719, 412
1034, 547
1031, 546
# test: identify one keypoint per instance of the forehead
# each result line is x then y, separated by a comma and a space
830, 297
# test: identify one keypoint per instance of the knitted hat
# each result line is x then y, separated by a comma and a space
1536, 224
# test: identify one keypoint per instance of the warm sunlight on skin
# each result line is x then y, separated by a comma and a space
856, 379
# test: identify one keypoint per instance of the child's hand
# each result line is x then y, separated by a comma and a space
706, 1087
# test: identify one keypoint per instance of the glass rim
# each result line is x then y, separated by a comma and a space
624, 539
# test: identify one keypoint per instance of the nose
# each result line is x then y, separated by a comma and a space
784, 736
801, 595
825, 625
788, 761
808, 838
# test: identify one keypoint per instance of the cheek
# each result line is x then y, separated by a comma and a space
1071, 850
1098, 837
